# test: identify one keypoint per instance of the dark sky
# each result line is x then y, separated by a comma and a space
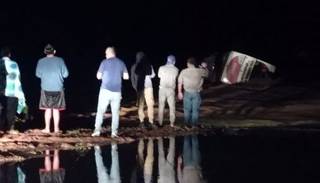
161, 27
277, 32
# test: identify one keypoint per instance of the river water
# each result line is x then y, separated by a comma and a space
265, 155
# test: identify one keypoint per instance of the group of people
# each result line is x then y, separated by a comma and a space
112, 70
52, 71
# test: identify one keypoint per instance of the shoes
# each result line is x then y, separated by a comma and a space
45, 131
188, 125
13, 132
141, 125
97, 148
96, 133
114, 136
153, 126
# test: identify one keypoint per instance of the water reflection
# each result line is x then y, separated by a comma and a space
166, 163
189, 169
181, 160
105, 176
52, 172
11, 172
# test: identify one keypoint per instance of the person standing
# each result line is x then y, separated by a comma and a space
168, 76
134, 77
191, 80
111, 72
144, 73
52, 71
13, 100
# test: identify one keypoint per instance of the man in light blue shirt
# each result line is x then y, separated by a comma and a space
52, 71
111, 72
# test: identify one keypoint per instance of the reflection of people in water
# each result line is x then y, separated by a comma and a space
143, 172
52, 172
8, 173
102, 171
189, 169
166, 164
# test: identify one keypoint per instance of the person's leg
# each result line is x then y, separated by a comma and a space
187, 155
12, 104
101, 169
172, 106
115, 170
161, 160
141, 106
115, 110
195, 150
148, 165
148, 93
47, 161
56, 120
2, 112
141, 152
162, 99
171, 151
56, 160
187, 107
103, 103
196, 101
47, 119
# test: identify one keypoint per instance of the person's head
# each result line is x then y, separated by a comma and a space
171, 59
191, 62
139, 56
5, 52
110, 52
49, 50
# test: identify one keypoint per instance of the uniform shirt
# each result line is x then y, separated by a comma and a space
168, 75
192, 78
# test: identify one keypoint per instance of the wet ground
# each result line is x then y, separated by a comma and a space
255, 155
224, 109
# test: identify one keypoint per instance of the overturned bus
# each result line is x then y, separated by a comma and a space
240, 68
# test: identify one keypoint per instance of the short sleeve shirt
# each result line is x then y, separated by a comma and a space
112, 70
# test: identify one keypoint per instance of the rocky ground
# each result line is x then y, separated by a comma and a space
242, 106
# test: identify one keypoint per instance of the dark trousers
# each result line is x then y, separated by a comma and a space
8, 108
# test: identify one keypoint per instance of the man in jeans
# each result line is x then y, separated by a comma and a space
191, 79
111, 72
168, 76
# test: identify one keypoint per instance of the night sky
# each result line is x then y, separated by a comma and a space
280, 33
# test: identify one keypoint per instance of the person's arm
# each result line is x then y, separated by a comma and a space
99, 75
179, 169
125, 73
152, 73
65, 72
180, 84
204, 70
160, 73
133, 77
100, 71
38, 70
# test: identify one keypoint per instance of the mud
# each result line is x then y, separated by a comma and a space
223, 107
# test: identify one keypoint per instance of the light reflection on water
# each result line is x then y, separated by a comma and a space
248, 158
